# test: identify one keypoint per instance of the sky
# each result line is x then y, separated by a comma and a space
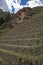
16, 5
3, 5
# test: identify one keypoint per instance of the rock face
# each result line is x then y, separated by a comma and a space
23, 14
21, 17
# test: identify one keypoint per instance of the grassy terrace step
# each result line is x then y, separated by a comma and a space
37, 34
30, 41
29, 25
25, 34
21, 39
27, 31
37, 49
32, 28
19, 31
21, 46
19, 54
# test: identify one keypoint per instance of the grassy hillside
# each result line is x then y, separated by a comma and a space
22, 43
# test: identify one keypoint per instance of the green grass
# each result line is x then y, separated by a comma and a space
3, 32
3, 61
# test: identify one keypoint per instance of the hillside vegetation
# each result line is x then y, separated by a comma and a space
21, 38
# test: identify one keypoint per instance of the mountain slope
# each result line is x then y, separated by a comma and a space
23, 44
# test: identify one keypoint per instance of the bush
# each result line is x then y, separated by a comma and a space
7, 18
2, 20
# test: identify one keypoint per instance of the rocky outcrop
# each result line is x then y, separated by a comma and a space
21, 15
